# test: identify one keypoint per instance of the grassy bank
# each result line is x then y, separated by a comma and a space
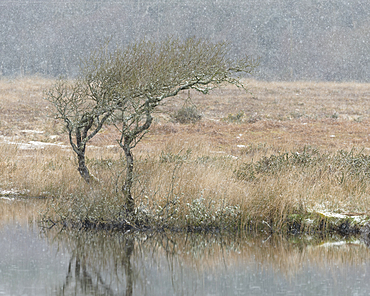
286, 157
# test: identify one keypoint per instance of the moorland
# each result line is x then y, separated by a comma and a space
281, 154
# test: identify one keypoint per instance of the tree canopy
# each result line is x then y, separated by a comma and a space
124, 86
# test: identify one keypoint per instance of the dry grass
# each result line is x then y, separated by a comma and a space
187, 172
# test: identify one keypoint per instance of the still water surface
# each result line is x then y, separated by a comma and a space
38, 262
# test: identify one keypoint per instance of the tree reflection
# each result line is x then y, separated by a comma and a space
91, 269
82, 280
365, 234
115, 263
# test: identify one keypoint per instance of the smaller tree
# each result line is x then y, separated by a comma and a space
83, 114
84, 104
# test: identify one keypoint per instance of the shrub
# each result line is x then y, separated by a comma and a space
187, 114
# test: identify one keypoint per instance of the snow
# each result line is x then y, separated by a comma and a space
339, 244
30, 144
6, 198
232, 156
36, 145
32, 131
7, 192
357, 218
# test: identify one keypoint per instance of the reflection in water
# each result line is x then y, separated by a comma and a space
83, 277
193, 264
36, 261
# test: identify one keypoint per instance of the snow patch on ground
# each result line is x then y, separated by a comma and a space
340, 243
322, 210
6, 198
36, 145
309, 221
31, 144
232, 156
32, 131
330, 214
357, 218
8, 192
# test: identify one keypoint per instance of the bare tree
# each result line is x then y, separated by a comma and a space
128, 84
105, 84
84, 104
162, 70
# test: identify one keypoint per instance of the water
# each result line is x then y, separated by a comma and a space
38, 262
29, 265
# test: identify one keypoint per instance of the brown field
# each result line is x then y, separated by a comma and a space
197, 162
282, 114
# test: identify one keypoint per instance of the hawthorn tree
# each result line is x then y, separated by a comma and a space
163, 69
84, 109
86, 103
128, 84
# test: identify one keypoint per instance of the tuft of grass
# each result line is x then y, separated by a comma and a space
309, 180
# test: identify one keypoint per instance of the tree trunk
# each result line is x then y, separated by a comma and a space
129, 201
80, 150
82, 168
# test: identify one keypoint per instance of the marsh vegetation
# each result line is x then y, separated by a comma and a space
269, 167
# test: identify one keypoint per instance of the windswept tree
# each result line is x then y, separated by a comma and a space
128, 84
106, 83
84, 105
163, 69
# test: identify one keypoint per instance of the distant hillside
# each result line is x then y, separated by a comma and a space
296, 40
